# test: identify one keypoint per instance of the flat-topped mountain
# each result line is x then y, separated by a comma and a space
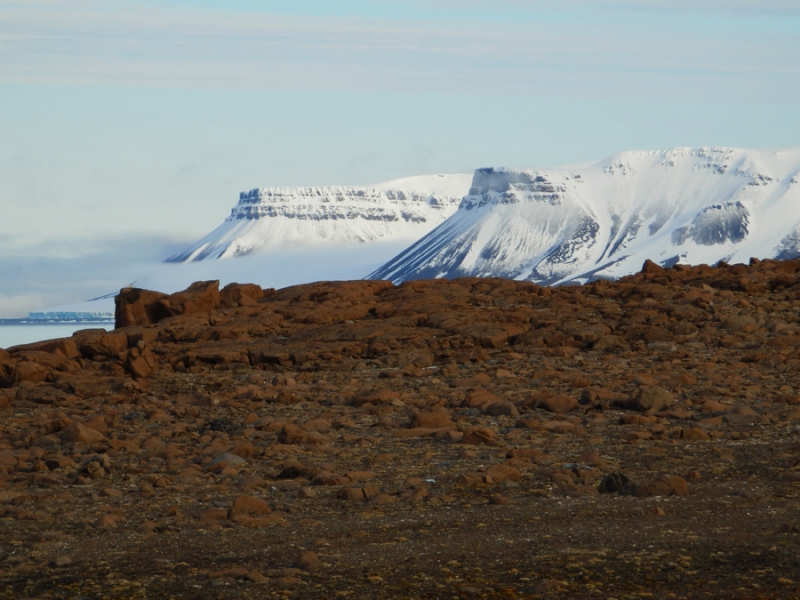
298, 217
602, 220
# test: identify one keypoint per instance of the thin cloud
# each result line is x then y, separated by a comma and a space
146, 247
91, 44
752, 7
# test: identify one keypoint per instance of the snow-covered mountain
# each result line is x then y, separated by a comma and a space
301, 217
580, 222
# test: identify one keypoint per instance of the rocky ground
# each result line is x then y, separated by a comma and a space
475, 438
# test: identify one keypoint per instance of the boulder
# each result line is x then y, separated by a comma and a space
30, 371
240, 294
200, 297
80, 433
617, 483
135, 306
558, 404
141, 365
431, 420
478, 435
653, 398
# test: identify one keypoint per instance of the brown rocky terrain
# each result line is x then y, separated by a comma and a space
474, 438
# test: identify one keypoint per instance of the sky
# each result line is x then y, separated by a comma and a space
134, 125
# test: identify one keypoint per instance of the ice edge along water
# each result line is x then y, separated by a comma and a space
602, 220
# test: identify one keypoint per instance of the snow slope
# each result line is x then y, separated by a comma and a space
602, 220
271, 218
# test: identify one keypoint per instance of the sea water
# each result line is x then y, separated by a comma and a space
25, 333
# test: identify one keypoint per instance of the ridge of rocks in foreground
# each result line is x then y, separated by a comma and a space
466, 438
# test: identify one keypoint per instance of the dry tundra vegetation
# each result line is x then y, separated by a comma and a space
472, 438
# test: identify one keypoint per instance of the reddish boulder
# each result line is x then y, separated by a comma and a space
143, 334
502, 472
611, 343
44, 394
558, 404
200, 297
501, 408
653, 398
431, 420
251, 511
481, 399
383, 396
248, 505
135, 306
94, 343
78, 432
351, 494
240, 294
308, 561
652, 268
141, 365
62, 347
666, 485
479, 435
30, 371
292, 434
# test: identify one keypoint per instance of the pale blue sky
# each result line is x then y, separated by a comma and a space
145, 119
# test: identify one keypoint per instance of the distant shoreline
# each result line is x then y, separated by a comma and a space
27, 321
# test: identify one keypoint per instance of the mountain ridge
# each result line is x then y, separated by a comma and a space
576, 223
298, 217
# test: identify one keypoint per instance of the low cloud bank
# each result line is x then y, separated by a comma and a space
34, 283
37, 279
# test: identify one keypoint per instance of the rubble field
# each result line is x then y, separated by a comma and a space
467, 438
